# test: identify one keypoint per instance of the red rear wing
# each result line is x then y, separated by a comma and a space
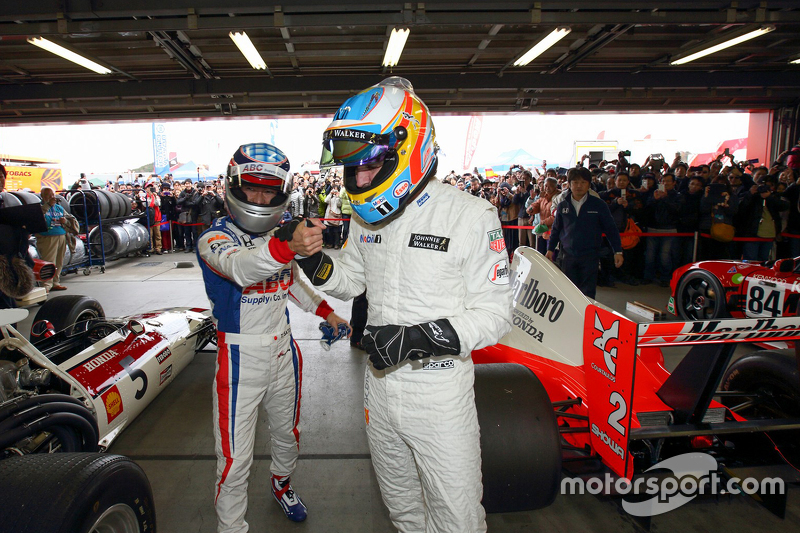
610, 356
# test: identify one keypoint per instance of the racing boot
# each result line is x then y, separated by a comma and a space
290, 502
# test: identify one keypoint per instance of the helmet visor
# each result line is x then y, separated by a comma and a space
347, 147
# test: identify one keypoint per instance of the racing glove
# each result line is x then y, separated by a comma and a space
391, 345
286, 232
318, 267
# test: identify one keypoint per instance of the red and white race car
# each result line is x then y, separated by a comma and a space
721, 289
102, 371
79, 381
576, 383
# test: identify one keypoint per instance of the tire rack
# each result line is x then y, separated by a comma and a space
86, 224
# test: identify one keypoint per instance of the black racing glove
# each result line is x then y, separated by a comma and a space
286, 232
318, 267
391, 345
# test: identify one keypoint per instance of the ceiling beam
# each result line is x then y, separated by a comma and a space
261, 84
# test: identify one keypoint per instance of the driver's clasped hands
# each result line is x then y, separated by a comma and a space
303, 236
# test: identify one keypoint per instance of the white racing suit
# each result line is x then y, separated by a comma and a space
249, 280
444, 257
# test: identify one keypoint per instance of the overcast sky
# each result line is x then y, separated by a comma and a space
115, 148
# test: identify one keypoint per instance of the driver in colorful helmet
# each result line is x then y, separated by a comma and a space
249, 278
435, 269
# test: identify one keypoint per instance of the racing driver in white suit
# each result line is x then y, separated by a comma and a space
249, 278
435, 268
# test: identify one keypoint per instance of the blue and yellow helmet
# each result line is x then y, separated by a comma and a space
386, 123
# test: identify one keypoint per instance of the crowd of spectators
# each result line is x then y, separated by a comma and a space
178, 211
760, 202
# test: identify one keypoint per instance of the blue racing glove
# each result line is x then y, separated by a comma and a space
391, 345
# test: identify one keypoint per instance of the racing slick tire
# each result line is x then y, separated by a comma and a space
63, 311
772, 375
75, 493
520, 442
700, 296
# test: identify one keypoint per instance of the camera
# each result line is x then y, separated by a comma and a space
626, 153
763, 188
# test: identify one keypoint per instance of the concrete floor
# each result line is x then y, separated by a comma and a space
173, 439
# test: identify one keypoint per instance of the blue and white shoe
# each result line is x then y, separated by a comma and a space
292, 505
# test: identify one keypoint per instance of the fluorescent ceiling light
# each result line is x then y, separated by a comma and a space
59, 50
724, 44
536, 50
397, 40
248, 50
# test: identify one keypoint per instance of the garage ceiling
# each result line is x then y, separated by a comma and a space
173, 58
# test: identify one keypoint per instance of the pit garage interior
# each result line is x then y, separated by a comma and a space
175, 60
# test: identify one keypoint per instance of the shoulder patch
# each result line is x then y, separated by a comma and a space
498, 273
496, 241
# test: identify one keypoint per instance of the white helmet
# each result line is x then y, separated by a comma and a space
257, 165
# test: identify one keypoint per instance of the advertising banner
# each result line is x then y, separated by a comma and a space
473, 135
160, 152
33, 178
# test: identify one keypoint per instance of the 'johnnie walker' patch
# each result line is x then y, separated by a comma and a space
429, 242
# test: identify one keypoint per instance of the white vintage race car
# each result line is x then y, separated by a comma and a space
73, 387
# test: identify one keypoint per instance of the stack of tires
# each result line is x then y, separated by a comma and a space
99, 204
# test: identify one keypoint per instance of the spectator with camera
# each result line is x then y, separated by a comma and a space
333, 215
525, 234
310, 203
718, 205
623, 202
210, 204
760, 217
688, 220
168, 214
661, 214
508, 215
543, 207
188, 203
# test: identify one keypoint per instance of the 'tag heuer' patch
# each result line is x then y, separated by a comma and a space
496, 241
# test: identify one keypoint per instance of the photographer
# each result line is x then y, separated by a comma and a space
718, 204
333, 214
188, 202
508, 215
760, 217
310, 203
543, 207
661, 214
153, 203
525, 235
168, 214
487, 193
210, 204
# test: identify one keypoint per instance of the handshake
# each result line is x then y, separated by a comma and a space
302, 235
